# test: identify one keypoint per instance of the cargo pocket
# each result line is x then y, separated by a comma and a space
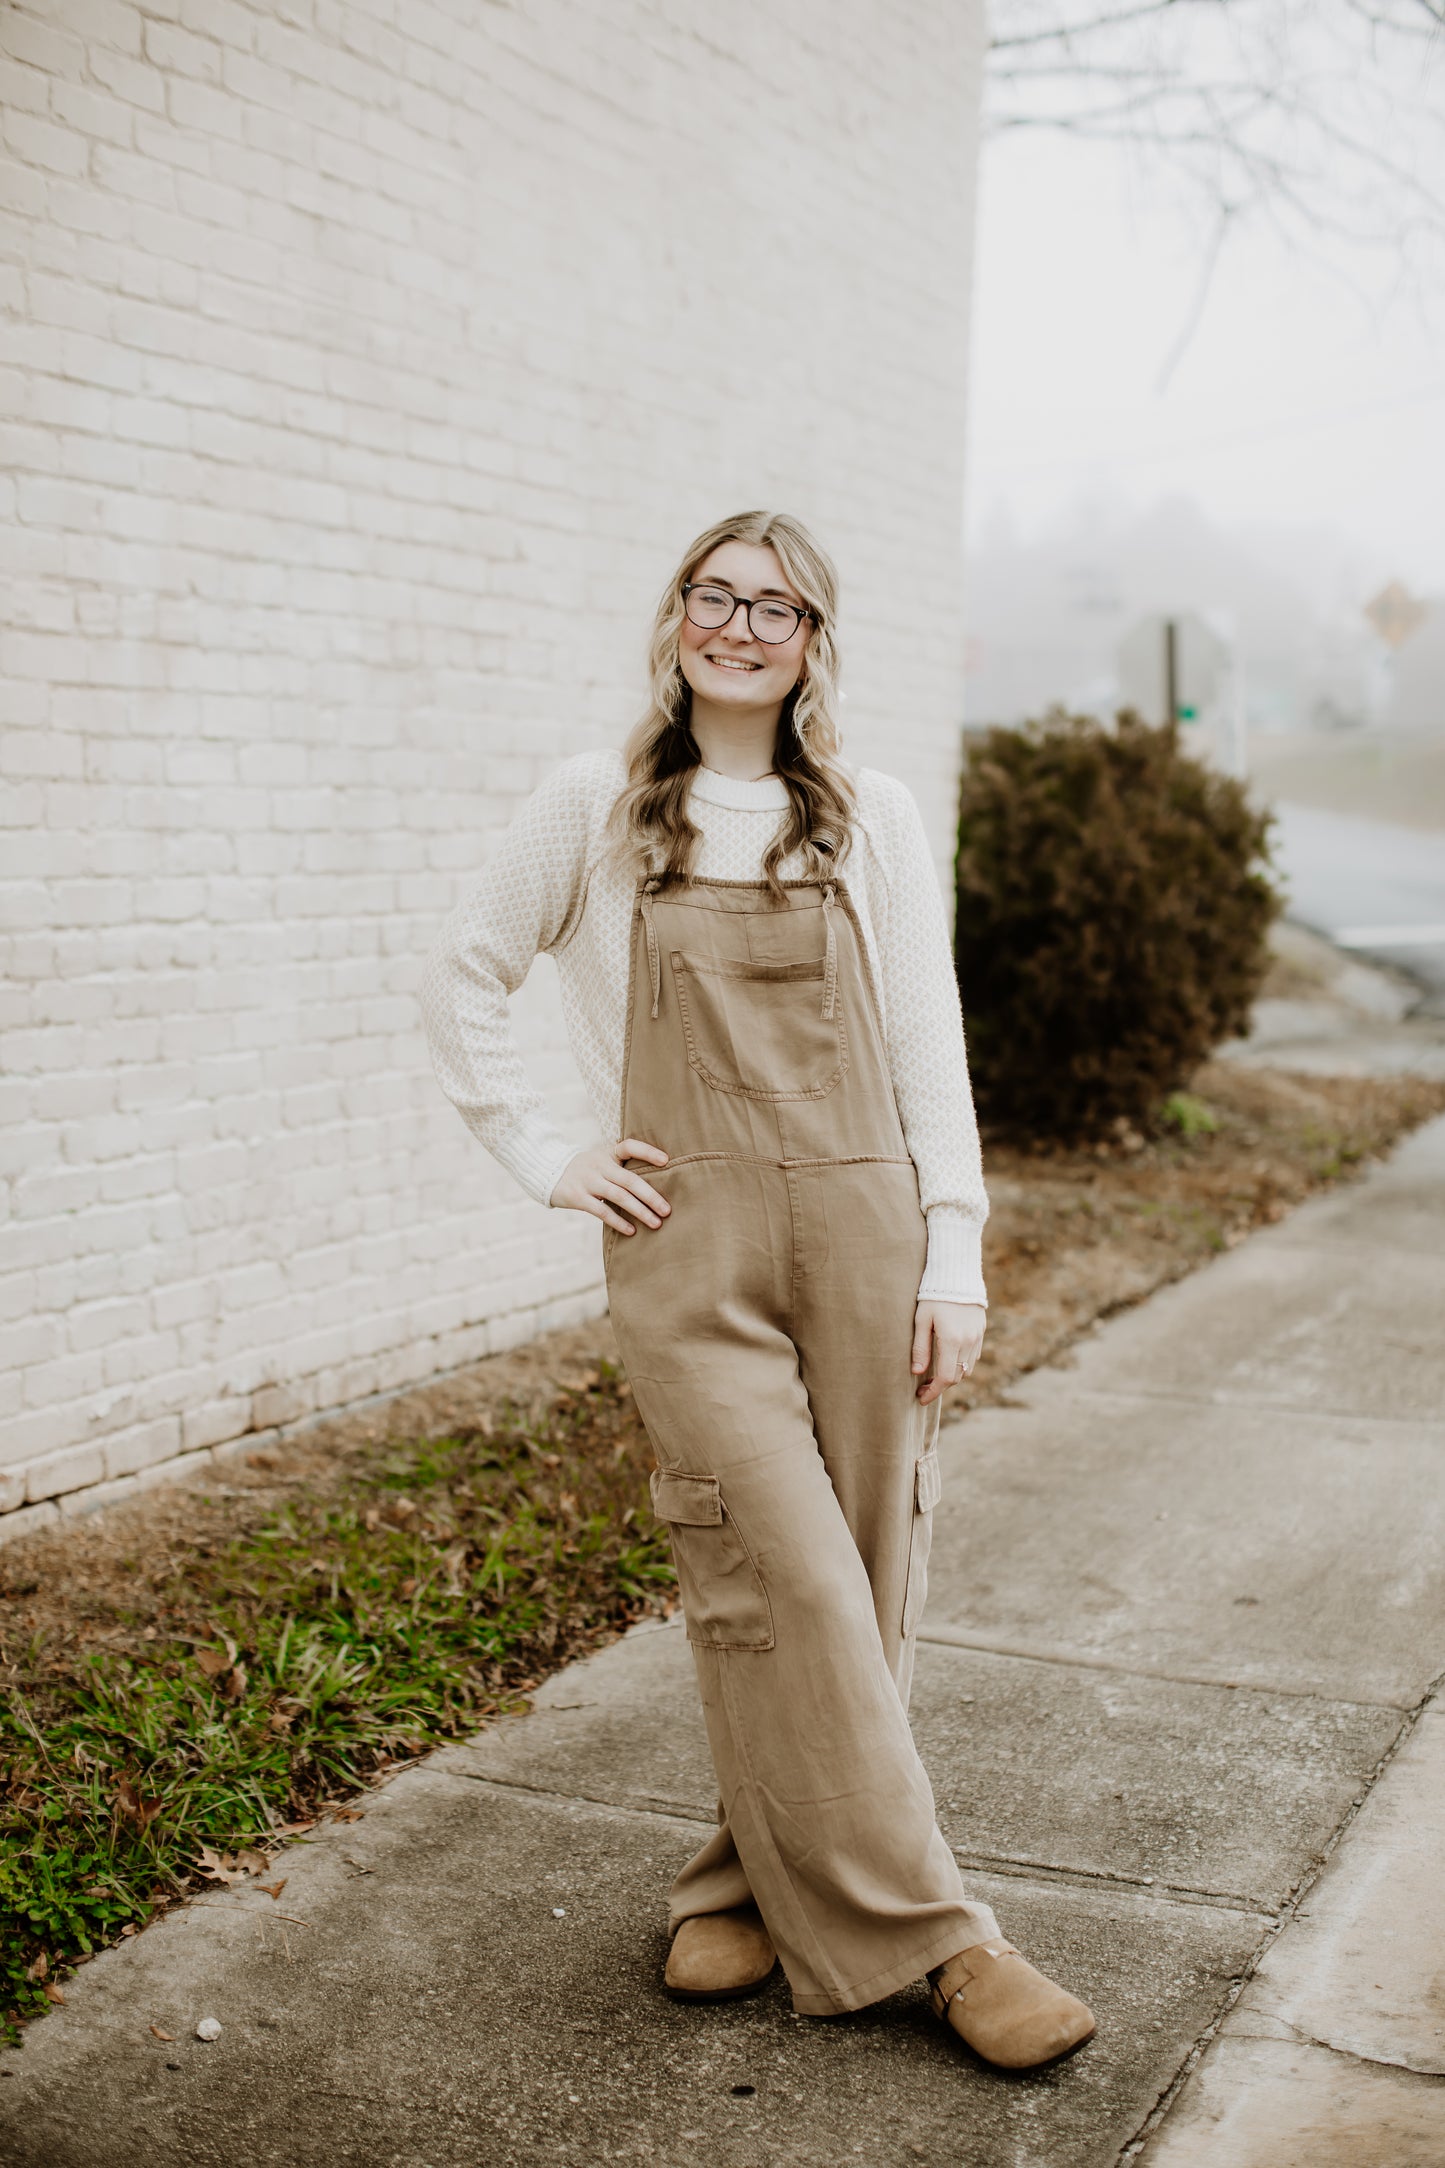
927, 1488
760, 1030
723, 1598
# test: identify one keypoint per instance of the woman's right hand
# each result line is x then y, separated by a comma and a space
595, 1181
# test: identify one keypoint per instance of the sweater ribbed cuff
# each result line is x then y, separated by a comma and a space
534, 1152
954, 1271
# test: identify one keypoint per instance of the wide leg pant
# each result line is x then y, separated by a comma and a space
798, 1475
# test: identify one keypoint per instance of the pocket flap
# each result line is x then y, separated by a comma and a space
732, 967
930, 1482
693, 1500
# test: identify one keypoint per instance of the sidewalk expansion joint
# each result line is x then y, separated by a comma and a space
667, 1810
1327, 1250
951, 1637
1165, 1396
1142, 1886
1018, 1870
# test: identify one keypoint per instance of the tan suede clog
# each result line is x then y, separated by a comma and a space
717, 1956
1005, 2008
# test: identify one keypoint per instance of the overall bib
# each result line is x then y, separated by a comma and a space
766, 1328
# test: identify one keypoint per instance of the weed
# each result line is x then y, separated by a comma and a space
1190, 1116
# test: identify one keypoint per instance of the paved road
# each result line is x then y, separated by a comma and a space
1368, 880
1188, 1597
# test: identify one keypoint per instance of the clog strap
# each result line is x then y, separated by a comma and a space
951, 1980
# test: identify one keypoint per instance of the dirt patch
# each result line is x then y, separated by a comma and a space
89, 1579
1074, 1235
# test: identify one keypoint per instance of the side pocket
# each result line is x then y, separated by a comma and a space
927, 1489
723, 1598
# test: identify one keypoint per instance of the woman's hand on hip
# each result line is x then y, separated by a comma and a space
596, 1181
947, 1337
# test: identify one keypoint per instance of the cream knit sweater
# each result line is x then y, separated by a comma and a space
549, 887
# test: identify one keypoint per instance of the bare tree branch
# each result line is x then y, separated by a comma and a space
1195, 315
1403, 25
1327, 115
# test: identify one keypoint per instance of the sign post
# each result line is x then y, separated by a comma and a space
1177, 668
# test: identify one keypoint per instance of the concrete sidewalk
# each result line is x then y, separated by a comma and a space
1188, 1596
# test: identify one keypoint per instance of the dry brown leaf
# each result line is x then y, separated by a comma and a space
213, 1662
134, 1805
162, 2035
218, 1866
349, 1814
39, 1969
273, 1889
295, 1829
52, 1992
252, 1861
233, 1686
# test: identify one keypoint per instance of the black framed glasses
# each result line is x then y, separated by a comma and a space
770, 619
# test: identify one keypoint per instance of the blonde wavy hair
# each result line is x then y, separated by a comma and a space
649, 820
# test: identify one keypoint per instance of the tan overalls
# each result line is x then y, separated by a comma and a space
766, 1328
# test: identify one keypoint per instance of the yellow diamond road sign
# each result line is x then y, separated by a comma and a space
1395, 613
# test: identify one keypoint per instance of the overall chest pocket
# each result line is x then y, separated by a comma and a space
758, 1030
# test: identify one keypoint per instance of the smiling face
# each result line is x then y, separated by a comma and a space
729, 669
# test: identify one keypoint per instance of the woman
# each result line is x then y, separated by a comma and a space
756, 976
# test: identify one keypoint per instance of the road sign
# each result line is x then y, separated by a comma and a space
1395, 613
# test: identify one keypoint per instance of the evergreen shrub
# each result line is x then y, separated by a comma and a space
1113, 906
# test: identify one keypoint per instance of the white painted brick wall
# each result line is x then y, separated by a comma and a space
364, 365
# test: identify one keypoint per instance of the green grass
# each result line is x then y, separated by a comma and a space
347, 1632
1192, 1117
